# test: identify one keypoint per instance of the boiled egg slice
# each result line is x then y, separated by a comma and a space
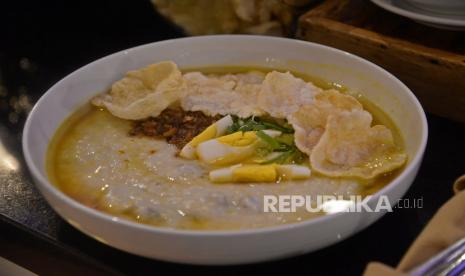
230, 149
288, 172
244, 173
259, 173
215, 130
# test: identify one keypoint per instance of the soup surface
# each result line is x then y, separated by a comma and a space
94, 159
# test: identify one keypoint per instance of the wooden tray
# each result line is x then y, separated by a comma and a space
430, 61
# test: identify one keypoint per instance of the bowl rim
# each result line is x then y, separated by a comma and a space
44, 183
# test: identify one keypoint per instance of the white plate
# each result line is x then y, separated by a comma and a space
442, 21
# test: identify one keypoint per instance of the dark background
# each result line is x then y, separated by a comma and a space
43, 41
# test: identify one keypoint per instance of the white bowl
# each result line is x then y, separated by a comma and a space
440, 6
223, 247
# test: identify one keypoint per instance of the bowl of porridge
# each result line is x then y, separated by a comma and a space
206, 150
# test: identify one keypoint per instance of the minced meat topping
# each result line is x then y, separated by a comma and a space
175, 125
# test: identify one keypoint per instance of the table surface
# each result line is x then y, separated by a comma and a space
43, 41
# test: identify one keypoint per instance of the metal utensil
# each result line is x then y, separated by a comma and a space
449, 262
